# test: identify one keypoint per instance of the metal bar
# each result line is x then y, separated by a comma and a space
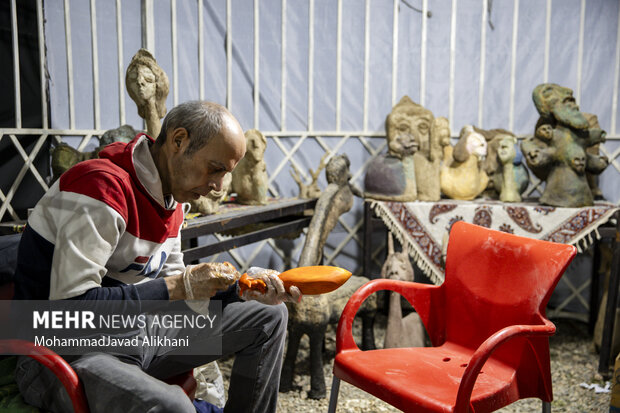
395, 18
367, 238
201, 64
311, 66
366, 63
614, 100
612, 301
16, 77
582, 27
283, 70
24, 156
256, 64
20, 175
175, 63
93, 37
513, 64
229, 54
69, 64
547, 42
42, 71
339, 67
238, 241
301, 133
148, 26
483, 45
121, 66
423, 53
452, 64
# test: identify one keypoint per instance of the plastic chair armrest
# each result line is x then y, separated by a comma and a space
56, 364
413, 292
482, 354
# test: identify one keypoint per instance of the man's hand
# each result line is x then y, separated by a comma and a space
202, 281
276, 293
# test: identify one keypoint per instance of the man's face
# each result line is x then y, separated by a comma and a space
562, 105
190, 177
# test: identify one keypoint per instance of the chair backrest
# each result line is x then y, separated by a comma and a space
494, 279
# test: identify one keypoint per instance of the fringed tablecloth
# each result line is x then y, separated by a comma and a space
422, 227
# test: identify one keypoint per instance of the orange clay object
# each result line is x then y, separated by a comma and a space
312, 280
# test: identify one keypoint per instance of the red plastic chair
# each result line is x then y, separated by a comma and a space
486, 323
63, 370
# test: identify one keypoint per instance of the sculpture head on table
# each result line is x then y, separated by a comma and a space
408, 128
147, 84
557, 104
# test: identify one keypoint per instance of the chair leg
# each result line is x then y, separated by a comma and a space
546, 407
333, 397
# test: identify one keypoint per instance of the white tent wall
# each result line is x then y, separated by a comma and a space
321, 75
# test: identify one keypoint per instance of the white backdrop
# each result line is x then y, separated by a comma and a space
333, 70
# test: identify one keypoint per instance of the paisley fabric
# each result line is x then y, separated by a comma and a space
422, 227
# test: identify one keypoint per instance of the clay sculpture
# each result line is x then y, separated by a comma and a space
391, 176
558, 152
400, 332
312, 315
147, 84
249, 178
462, 176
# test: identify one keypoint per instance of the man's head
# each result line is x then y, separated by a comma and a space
146, 81
556, 102
408, 127
198, 144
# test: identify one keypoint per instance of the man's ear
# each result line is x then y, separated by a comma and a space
178, 139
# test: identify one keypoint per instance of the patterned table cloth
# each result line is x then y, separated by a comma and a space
423, 227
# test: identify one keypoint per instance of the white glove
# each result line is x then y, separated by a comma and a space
202, 281
276, 293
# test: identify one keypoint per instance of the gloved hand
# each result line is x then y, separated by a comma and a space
276, 293
202, 281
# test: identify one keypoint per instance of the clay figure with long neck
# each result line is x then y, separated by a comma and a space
506, 154
147, 84
313, 313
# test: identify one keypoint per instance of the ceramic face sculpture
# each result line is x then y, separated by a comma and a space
147, 85
558, 152
391, 177
427, 161
249, 178
462, 176
506, 153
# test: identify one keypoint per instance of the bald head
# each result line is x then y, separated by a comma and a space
202, 120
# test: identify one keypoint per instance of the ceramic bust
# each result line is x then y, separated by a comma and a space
147, 85
391, 177
249, 178
557, 153
493, 165
506, 153
462, 176
64, 156
427, 160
